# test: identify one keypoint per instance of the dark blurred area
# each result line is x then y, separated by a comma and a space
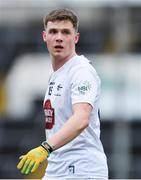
111, 38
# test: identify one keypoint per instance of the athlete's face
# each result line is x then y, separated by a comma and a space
60, 37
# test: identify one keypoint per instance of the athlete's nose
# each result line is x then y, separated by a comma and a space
59, 37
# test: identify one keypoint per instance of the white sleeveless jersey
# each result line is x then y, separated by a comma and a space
75, 82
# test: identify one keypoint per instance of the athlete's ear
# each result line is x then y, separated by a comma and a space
44, 35
77, 36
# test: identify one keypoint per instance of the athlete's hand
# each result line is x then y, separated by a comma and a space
31, 161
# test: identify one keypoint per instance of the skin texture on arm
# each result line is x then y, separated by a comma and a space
73, 127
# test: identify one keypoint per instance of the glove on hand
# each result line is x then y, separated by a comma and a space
31, 161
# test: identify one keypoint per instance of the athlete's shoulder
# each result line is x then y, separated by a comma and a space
81, 64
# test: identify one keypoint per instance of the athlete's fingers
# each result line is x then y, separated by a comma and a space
29, 168
26, 164
21, 157
21, 163
36, 165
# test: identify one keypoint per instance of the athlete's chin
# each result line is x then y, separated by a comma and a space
58, 55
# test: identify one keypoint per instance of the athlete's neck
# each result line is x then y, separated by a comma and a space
58, 62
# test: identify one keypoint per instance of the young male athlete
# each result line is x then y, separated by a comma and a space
71, 105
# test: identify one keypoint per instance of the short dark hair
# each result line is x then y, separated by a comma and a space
60, 15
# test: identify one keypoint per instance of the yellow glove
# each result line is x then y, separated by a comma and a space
31, 161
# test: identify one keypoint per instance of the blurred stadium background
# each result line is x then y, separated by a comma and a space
111, 38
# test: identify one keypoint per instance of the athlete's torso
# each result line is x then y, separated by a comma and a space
75, 82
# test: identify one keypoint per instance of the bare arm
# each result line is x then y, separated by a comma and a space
73, 127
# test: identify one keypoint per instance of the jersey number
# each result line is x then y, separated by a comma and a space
50, 90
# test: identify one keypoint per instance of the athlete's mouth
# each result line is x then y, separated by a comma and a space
58, 47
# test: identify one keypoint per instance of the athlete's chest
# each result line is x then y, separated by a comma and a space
57, 87
58, 90
56, 100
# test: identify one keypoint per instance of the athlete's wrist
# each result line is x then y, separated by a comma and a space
47, 146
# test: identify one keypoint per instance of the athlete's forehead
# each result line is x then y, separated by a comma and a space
64, 24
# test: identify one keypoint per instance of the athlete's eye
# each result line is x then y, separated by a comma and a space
52, 31
66, 31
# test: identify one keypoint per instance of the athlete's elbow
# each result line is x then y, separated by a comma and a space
84, 124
